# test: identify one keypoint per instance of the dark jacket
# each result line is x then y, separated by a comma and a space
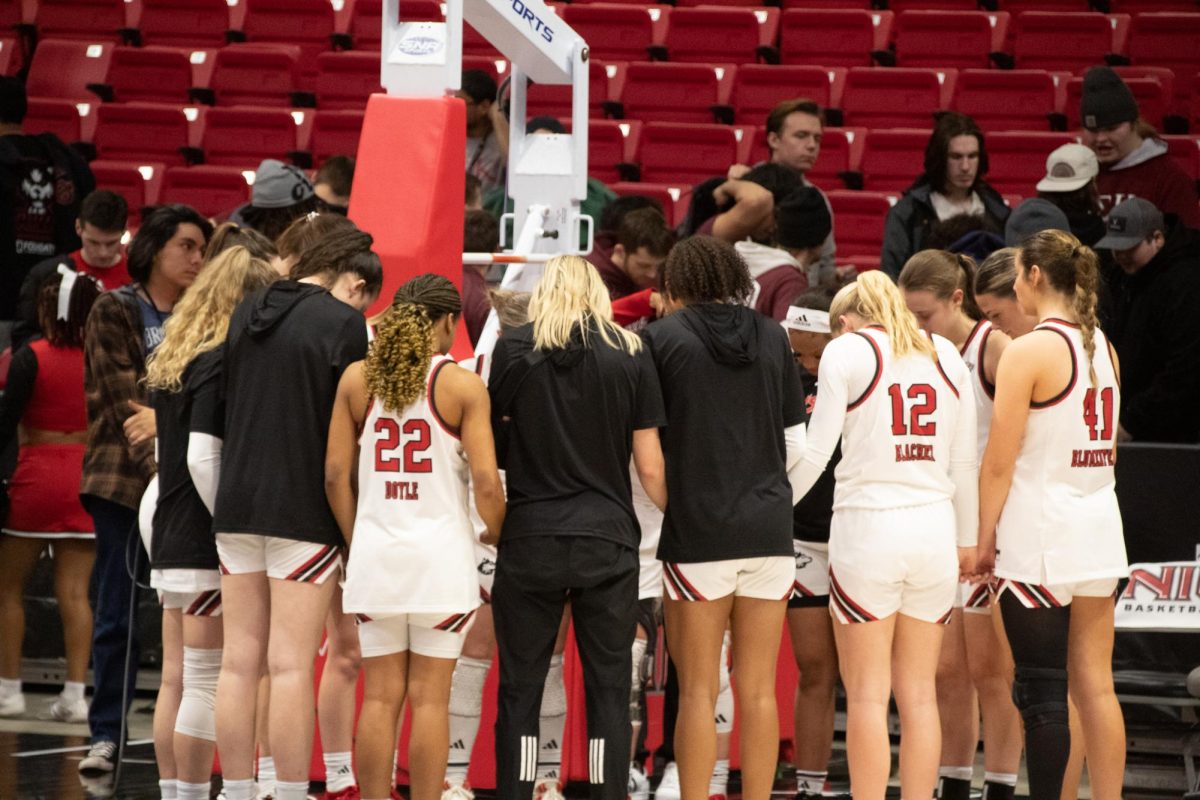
909, 221
1151, 323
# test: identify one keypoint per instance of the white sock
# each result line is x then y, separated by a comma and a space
194, 791
8, 687
719, 781
1003, 778
291, 790
466, 704
167, 789
266, 772
552, 720
239, 790
339, 774
957, 773
72, 690
811, 782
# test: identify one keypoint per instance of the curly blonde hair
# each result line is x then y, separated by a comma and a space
200, 320
399, 356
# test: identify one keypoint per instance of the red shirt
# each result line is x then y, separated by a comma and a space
777, 288
475, 304
1159, 180
113, 277
616, 279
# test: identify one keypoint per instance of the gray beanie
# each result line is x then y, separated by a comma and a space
1033, 216
1106, 100
279, 185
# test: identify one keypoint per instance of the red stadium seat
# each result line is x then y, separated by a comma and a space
209, 190
346, 80
1015, 7
892, 159
611, 142
142, 133
90, 20
1017, 159
963, 39
833, 37
678, 153
1021, 99
11, 56
719, 35
260, 75
658, 92
184, 23
1066, 41
895, 98
243, 137
497, 68
1186, 152
1152, 98
60, 117
335, 133
151, 74
619, 32
858, 225
713, 3
757, 88
674, 198
11, 15
475, 45
1152, 6
63, 69
905, 6
1172, 41
309, 24
139, 184
555, 101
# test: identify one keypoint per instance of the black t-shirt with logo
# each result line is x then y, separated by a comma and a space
566, 447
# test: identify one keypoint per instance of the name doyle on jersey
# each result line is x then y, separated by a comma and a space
914, 452
401, 490
1093, 458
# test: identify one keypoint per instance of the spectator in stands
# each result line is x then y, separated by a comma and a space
952, 184
487, 129
794, 131
1154, 297
1033, 216
481, 234
738, 208
333, 181
977, 237
1133, 161
42, 184
474, 192
123, 329
100, 226
281, 193
779, 265
636, 258
1070, 184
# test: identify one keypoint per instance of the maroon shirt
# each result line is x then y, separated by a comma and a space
1159, 180
777, 288
616, 279
475, 304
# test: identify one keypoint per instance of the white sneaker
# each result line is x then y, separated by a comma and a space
668, 787
12, 705
639, 784
101, 758
457, 791
548, 789
65, 710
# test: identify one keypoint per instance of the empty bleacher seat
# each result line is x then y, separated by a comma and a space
335, 133
150, 74
1169, 40
1017, 159
184, 23
1186, 152
262, 75
1020, 99
308, 24
555, 101
63, 69
858, 225
619, 32
680, 153
963, 39
209, 190
242, 137
90, 20
1151, 6
10, 56
611, 143
673, 197
142, 132
138, 183
832, 37
1066, 41
757, 88
346, 80
892, 159
63, 118
664, 92
1021, 6
719, 35
1152, 99
905, 6
883, 98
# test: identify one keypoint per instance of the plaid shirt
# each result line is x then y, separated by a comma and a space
114, 364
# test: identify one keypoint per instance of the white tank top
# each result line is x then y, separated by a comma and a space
973, 352
413, 549
901, 426
1061, 522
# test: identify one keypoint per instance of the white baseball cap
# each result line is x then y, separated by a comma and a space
1068, 168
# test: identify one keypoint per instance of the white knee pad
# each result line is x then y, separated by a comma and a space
723, 713
466, 687
197, 716
554, 694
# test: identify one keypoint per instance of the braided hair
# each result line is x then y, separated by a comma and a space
704, 269
1073, 269
399, 356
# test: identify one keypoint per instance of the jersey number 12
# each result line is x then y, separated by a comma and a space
416, 433
925, 398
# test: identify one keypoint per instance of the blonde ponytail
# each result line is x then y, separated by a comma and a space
877, 300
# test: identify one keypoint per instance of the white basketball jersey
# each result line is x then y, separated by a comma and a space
413, 549
902, 428
1061, 522
973, 352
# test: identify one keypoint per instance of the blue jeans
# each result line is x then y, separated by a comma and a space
112, 632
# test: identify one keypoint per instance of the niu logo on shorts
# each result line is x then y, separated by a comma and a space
803, 560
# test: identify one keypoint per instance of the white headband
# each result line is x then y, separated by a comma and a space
65, 285
807, 319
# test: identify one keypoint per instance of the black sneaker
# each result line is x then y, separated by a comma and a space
101, 758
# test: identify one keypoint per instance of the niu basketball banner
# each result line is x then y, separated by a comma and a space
1160, 597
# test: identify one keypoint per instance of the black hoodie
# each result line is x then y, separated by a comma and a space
286, 350
1151, 322
731, 387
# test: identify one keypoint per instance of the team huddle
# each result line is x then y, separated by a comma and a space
879, 473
